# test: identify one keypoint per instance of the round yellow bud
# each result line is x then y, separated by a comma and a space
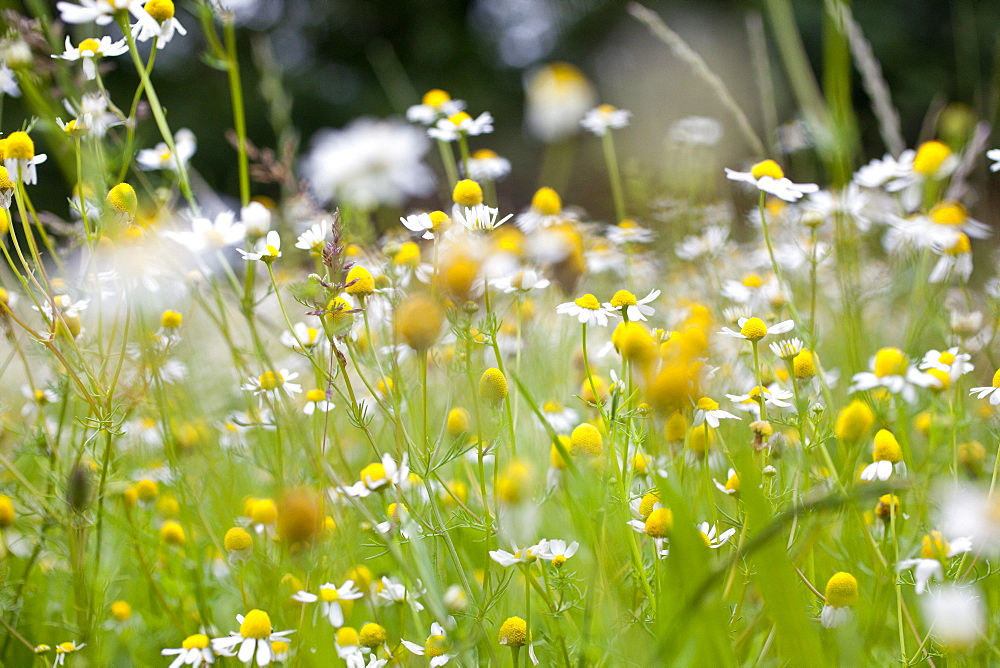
854, 421
586, 440
171, 320
172, 533
546, 201
842, 590
7, 513
237, 539
372, 635
161, 10
123, 200
459, 422
256, 624
513, 632
121, 610
467, 193
492, 386
418, 321
359, 281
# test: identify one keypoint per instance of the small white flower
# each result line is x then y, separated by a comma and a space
708, 532
436, 104
557, 551
587, 310
271, 383
256, 643
769, 178
378, 475
638, 310
605, 117
521, 282
268, 249
194, 651
434, 647
420, 223
89, 50
396, 592
102, 12
773, 396
461, 124
329, 597
753, 331
479, 217
486, 165
935, 549
314, 239
163, 32
707, 410
956, 616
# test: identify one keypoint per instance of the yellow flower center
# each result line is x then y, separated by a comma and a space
435, 98
888, 505
435, 646
753, 281
484, 154
767, 168
886, 447
329, 594
492, 386
930, 156
265, 511
121, 610
347, 637
237, 539
360, 281
804, 364
934, 546
890, 362
546, 201
373, 472
279, 646
372, 635
842, 590
271, 380
18, 146
754, 329
172, 533
408, 255
623, 298
91, 45
946, 358
161, 10
467, 193
65, 648
733, 484
952, 214
256, 624
586, 440
607, 108
558, 560
588, 301
122, 199
171, 320
513, 632
315, 395
853, 421
707, 404
646, 505
659, 523
5, 183
996, 378
197, 641
459, 118
756, 392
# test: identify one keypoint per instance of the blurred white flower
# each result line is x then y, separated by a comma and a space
369, 163
160, 157
696, 131
558, 96
605, 117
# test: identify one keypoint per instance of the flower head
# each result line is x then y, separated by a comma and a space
768, 177
841, 595
254, 639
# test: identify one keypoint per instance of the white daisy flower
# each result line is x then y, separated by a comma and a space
166, 27
20, 158
396, 592
160, 157
629, 232
254, 639
267, 250
434, 648
420, 223
479, 217
521, 282
768, 177
732, 486
89, 50
773, 396
316, 400
712, 243
557, 551
633, 309
707, 410
934, 551
708, 533
379, 474
194, 651
270, 384
892, 370
605, 117
461, 124
102, 12
991, 391
206, 234
955, 615
526, 555
955, 260
887, 458
330, 597
878, 173
434, 105
66, 648
587, 310
314, 239
754, 329
952, 361
486, 165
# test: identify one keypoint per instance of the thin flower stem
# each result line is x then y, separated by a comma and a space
611, 161
239, 114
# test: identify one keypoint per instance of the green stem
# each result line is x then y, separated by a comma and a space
239, 114
611, 160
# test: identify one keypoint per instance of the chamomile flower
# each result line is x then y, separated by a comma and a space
772, 396
89, 50
587, 310
194, 651
713, 539
461, 124
254, 639
557, 551
20, 159
316, 400
754, 329
841, 595
561, 418
434, 105
208, 234
378, 475
525, 555
944, 226
329, 597
162, 12
160, 156
707, 410
955, 260
768, 177
271, 384
545, 211
629, 307
732, 486
303, 337
695, 131
629, 232
479, 217
314, 239
787, 349
434, 648
712, 243
421, 223
991, 391
267, 250
521, 282
934, 551
8, 82
396, 592
486, 165
892, 370
605, 117
887, 457
65, 648
102, 12
955, 363
885, 171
